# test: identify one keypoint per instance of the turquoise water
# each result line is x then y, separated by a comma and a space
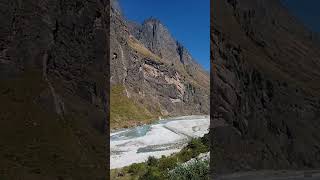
135, 132
140, 131
136, 144
131, 133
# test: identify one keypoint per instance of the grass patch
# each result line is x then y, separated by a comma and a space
141, 49
125, 112
168, 167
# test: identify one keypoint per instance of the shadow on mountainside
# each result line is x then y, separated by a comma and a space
264, 89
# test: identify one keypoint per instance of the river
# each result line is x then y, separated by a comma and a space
165, 137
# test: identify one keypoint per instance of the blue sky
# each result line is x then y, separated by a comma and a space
307, 11
187, 20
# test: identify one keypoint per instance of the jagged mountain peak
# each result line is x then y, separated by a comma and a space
156, 27
152, 20
157, 37
152, 68
159, 40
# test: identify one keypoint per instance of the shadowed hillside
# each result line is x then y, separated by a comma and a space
265, 88
53, 89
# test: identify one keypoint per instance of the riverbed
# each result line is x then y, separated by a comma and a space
165, 137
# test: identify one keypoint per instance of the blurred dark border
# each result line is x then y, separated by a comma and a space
54, 89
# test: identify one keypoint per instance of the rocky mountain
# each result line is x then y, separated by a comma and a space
152, 74
265, 104
53, 82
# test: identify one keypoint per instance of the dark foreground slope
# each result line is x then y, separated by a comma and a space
53, 89
265, 88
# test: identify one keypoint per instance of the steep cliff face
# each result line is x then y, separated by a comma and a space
265, 86
157, 74
53, 89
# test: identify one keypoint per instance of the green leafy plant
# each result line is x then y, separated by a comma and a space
137, 168
153, 173
152, 161
198, 170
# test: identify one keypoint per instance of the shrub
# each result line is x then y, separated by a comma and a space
185, 155
166, 163
197, 145
153, 173
137, 168
198, 170
152, 161
205, 140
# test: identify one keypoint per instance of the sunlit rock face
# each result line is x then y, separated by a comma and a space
155, 70
265, 88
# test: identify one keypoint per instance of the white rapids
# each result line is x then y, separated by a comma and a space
165, 137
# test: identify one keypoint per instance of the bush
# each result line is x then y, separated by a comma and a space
166, 163
137, 169
193, 149
205, 140
153, 173
197, 145
185, 155
198, 170
152, 161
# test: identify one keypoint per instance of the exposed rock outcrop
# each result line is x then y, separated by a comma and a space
155, 70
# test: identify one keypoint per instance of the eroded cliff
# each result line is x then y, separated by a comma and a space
155, 74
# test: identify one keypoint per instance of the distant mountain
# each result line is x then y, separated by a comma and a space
265, 88
152, 74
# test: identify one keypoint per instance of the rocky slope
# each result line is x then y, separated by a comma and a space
155, 74
53, 89
265, 86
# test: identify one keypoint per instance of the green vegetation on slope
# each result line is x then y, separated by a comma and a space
125, 112
165, 167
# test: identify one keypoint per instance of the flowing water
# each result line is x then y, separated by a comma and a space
165, 137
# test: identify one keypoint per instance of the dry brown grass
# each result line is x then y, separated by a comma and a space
141, 49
